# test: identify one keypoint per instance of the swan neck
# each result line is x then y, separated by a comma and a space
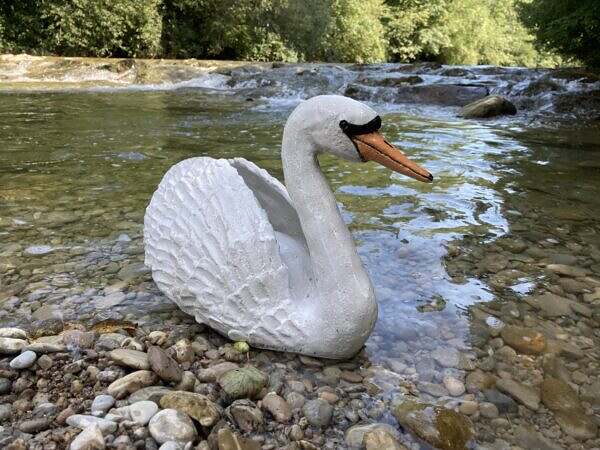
337, 267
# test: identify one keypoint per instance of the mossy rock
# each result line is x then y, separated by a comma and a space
442, 428
246, 382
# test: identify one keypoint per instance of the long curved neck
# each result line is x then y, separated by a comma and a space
336, 265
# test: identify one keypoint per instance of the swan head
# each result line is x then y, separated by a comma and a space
349, 129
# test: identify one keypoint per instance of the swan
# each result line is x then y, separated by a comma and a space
273, 265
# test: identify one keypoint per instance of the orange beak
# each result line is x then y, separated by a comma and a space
374, 147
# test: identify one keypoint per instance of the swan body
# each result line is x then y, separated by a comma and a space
274, 267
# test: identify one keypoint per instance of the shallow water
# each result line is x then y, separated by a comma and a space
77, 169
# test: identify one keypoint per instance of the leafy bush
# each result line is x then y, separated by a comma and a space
103, 27
569, 27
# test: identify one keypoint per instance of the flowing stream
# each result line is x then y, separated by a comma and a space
511, 218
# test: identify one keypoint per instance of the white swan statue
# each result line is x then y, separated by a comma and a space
265, 263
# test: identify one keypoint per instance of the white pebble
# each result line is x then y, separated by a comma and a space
455, 387
24, 361
142, 412
89, 439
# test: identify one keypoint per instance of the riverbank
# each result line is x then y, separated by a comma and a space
538, 94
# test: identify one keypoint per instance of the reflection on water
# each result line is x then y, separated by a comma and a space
451, 262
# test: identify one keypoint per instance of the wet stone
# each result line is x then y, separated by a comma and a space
318, 412
278, 407
504, 403
355, 435
443, 428
524, 340
524, 394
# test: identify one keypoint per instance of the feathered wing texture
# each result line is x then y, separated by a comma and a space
213, 251
272, 196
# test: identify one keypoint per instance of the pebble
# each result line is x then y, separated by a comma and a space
10, 346
35, 425
468, 407
163, 365
488, 410
152, 393
245, 382
171, 425
130, 358
142, 412
197, 406
24, 361
278, 407
355, 435
524, 340
455, 387
131, 383
172, 445
102, 403
83, 421
13, 333
526, 395
89, 439
318, 412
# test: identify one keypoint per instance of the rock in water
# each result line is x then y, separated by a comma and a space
172, 425
278, 407
524, 340
89, 439
527, 395
490, 106
559, 397
318, 412
196, 406
245, 382
443, 428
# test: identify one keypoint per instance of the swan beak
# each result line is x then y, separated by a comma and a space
374, 147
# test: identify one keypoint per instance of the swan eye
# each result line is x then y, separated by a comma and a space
352, 129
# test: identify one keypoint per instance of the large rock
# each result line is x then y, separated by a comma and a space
442, 428
163, 365
527, 395
172, 425
490, 106
246, 382
524, 340
131, 383
196, 406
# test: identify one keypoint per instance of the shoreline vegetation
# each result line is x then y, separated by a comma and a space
530, 33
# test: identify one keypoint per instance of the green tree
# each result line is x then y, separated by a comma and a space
407, 27
103, 27
355, 32
569, 27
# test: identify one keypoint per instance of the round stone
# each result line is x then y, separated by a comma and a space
455, 387
142, 412
488, 410
172, 425
24, 360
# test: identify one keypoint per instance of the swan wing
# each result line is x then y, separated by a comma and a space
213, 251
272, 196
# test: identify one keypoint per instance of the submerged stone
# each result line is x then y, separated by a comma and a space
442, 428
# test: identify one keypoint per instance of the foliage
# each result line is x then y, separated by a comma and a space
408, 23
355, 32
104, 27
449, 31
569, 27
